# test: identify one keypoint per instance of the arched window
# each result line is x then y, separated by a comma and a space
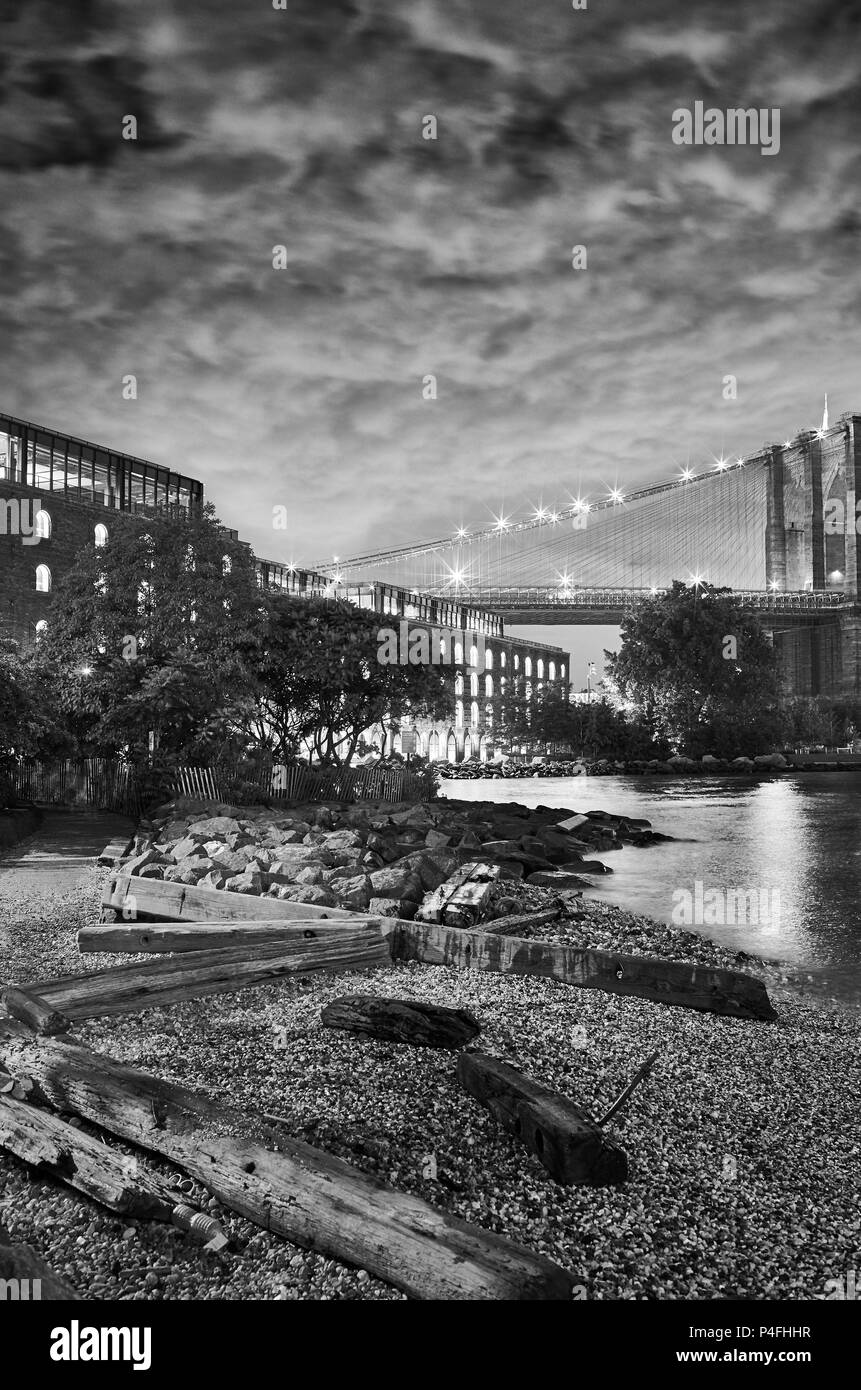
488, 716
451, 747
43, 579
41, 628
562, 673
101, 534
552, 670
488, 659
458, 653
488, 685
433, 747
540, 668
458, 684
467, 748
473, 714
502, 660
473, 655
473, 684
527, 666
502, 684
42, 525
442, 648
458, 713
516, 662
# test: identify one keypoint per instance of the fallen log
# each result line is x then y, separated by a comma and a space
302, 1193
565, 1139
156, 937
32, 1278
29, 1008
138, 899
401, 1020
517, 922
113, 1179
128, 988
727, 992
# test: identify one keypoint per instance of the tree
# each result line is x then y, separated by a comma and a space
152, 638
698, 670
321, 684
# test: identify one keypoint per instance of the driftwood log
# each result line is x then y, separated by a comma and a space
158, 937
702, 987
401, 1020
137, 899
27, 1006
128, 988
564, 1138
113, 1179
515, 923
302, 1193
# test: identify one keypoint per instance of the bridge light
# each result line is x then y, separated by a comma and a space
739, 463
616, 495
539, 513
720, 464
653, 591
502, 523
787, 443
554, 517
687, 474
773, 585
460, 532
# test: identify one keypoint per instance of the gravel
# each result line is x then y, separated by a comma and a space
742, 1141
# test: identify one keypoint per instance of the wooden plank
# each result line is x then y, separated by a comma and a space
117, 849
115, 1180
152, 984
154, 937
401, 1020
302, 1193
31, 1009
138, 899
517, 922
727, 992
563, 1137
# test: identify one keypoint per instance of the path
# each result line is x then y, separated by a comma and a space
54, 859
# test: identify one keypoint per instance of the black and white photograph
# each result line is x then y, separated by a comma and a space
430, 678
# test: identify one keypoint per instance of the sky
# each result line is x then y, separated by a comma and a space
404, 257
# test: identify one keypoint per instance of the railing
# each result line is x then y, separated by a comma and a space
111, 784
565, 596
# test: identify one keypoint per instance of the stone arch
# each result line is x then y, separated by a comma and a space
433, 747
451, 747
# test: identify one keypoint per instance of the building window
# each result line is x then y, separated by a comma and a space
43, 579
473, 655
552, 670
488, 685
473, 714
458, 684
540, 668
562, 673
458, 653
488, 716
101, 534
473, 685
42, 526
516, 662
458, 714
527, 666
488, 660
502, 660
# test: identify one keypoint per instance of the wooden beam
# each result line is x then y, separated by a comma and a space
703, 987
155, 937
139, 899
116, 850
27, 1006
113, 1179
401, 1020
564, 1138
308, 1196
128, 988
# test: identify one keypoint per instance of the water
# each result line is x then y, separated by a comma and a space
798, 836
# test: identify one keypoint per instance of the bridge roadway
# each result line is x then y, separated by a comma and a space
577, 607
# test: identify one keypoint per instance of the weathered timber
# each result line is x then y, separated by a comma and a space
517, 922
128, 988
30, 1008
302, 1193
401, 1020
35, 1280
138, 899
664, 981
467, 888
565, 1139
639, 1075
116, 850
156, 937
115, 1180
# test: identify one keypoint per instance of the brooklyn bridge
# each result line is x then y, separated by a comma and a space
779, 527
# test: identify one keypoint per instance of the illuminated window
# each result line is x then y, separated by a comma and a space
458, 714
101, 534
540, 668
488, 660
516, 662
527, 666
42, 526
552, 670
473, 714
502, 660
473, 685
473, 655
43, 579
488, 685
458, 653
458, 684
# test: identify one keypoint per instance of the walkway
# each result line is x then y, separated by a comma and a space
66, 844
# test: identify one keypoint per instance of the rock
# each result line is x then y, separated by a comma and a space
344, 841
230, 861
215, 825
501, 849
214, 879
396, 882
435, 839
143, 861
770, 760
312, 873
245, 883
307, 893
354, 893
393, 907
557, 878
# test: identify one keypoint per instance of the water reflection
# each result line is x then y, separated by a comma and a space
798, 837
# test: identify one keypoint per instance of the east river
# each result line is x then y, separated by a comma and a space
793, 841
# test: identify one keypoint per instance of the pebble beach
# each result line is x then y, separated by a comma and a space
742, 1141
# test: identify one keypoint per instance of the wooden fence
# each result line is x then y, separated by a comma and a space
110, 784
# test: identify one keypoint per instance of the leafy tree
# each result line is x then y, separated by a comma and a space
321, 684
151, 638
698, 669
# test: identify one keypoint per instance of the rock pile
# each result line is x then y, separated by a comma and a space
383, 858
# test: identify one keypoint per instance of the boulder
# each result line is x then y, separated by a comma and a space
215, 825
344, 842
143, 861
557, 878
393, 907
770, 760
230, 861
307, 893
354, 893
214, 879
312, 873
396, 882
245, 883
435, 839
189, 846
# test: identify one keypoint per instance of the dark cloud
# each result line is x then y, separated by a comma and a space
407, 257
